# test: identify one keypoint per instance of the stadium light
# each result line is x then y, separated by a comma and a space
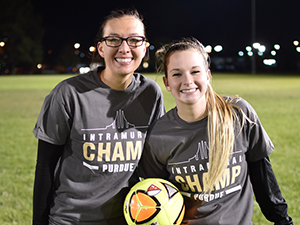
92, 49
249, 49
296, 43
241, 53
256, 45
2, 43
84, 69
273, 53
208, 49
76, 45
269, 62
145, 65
298, 49
277, 46
218, 48
262, 48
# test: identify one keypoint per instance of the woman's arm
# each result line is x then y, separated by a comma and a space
267, 192
47, 158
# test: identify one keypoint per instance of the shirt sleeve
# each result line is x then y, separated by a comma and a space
159, 107
258, 142
149, 166
47, 158
55, 119
267, 192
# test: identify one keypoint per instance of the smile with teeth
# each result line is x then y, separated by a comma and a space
188, 90
124, 60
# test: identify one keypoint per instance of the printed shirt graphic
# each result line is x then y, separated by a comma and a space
110, 146
103, 131
178, 151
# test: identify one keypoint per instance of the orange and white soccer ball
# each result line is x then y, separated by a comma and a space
154, 201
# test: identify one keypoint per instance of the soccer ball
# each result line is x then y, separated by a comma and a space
154, 201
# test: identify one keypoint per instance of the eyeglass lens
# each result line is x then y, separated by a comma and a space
131, 41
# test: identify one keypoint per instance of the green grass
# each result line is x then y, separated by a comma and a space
275, 98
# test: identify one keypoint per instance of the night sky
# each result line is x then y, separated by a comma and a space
225, 22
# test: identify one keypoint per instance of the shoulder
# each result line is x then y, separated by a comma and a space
143, 80
242, 104
146, 86
77, 83
164, 124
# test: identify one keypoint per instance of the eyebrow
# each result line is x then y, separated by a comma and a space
132, 34
177, 69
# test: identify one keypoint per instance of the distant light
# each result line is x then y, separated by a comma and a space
269, 62
39, 66
49, 52
82, 55
151, 47
273, 53
208, 49
298, 49
249, 49
250, 53
84, 69
256, 45
260, 53
296, 43
241, 53
2, 43
76, 45
277, 46
218, 48
92, 49
145, 65
262, 48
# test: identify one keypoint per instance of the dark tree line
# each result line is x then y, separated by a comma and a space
22, 32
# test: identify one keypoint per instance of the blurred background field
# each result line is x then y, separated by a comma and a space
275, 98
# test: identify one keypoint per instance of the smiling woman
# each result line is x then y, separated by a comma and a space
121, 57
94, 174
188, 83
213, 148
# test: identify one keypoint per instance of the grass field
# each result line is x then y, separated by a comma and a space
275, 98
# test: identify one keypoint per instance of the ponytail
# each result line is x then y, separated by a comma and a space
222, 120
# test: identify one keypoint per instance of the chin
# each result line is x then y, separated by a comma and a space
125, 73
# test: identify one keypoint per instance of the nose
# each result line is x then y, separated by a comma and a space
187, 79
124, 47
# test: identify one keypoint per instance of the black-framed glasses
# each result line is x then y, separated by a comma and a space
133, 41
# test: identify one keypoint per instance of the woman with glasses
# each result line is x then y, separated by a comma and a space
91, 131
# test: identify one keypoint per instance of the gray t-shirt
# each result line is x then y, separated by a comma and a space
103, 131
178, 151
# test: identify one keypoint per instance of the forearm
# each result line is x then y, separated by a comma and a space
47, 158
267, 192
